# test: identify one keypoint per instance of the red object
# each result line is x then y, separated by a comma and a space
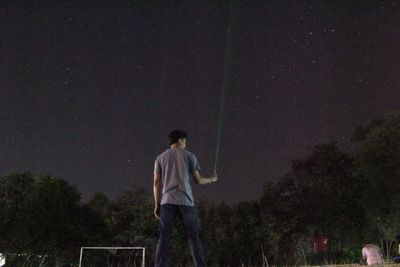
320, 243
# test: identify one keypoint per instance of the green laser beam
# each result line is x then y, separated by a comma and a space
227, 76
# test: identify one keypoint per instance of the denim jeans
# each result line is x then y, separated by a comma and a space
188, 214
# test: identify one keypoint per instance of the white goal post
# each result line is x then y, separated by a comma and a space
115, 248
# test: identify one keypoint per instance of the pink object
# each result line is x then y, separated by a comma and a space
372, 254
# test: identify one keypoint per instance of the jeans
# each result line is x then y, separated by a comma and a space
188, 214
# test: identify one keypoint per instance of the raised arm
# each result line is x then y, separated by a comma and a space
199, 180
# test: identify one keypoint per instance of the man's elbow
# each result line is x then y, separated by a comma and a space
197, 178
196, 181
156, 180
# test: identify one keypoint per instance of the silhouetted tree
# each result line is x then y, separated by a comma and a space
53, 210
14, 220
378, 164
320, 192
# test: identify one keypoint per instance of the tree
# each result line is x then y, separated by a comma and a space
95, 220
328, 186
378, 164
320, 192
249, 233
53, 210
217, 233
283, 215
131, 220
100, 203
14, 189
40, 216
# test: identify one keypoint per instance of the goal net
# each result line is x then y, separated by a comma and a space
112, 257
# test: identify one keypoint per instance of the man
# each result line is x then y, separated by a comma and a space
173, 171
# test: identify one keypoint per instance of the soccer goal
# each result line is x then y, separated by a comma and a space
112, 256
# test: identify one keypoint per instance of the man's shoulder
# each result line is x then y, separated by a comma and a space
188, 152
163, 154
169, 152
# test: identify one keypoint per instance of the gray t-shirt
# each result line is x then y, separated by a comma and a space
176, 166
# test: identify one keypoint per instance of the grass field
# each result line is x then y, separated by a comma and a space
359, 265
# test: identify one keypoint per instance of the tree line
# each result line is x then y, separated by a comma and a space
351, 197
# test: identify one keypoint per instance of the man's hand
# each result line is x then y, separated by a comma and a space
157, 212
198, 179
215, 177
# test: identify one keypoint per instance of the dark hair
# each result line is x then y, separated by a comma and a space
175, 135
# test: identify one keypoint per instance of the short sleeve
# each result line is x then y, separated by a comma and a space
193, 163
157, 167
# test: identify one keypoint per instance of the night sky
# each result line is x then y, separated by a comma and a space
91, 89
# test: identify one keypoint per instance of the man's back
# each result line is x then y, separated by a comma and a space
176, 166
